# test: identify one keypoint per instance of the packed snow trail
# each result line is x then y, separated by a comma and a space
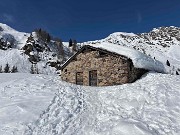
150, 106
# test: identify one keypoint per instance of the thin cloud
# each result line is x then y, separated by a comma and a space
7, 18
139, 18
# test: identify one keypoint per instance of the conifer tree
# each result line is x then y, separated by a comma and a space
60, 48
6, 68
1, 69
14, 69
74, 46
37, 70
167, 63
70, 42
32, 69
177, 73
48, 39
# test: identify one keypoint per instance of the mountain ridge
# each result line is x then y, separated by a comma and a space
160, 43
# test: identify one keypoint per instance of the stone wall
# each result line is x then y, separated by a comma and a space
111, 69
135, 73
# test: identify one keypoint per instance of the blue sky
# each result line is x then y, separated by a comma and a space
89, 20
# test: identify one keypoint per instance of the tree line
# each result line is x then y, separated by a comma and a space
43, 35
7, 69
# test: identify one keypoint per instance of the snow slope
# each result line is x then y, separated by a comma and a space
174, 54
15, 57
149, 106
9, 33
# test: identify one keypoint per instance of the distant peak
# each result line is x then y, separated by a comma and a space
5, 27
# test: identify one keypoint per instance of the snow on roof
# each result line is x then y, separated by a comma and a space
139, 59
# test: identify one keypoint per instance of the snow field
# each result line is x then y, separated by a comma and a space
149, 106
23, 98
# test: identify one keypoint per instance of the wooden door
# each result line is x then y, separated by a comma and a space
79, 78
93, 78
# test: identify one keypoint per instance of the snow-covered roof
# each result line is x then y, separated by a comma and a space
139, 59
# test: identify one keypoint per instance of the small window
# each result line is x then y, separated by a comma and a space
79, 78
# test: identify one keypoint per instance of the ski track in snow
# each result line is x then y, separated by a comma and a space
149, 106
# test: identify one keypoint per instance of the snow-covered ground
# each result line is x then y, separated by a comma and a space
150, 106
23, 97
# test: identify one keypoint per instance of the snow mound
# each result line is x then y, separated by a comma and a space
147, 107
139, 59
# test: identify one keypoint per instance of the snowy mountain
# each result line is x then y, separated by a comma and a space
31, 51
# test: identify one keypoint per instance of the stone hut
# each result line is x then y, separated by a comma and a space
93, 66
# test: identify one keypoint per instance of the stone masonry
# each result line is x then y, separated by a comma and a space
111, 69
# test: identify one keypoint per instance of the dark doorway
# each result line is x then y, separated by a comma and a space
79, 78
93, 78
